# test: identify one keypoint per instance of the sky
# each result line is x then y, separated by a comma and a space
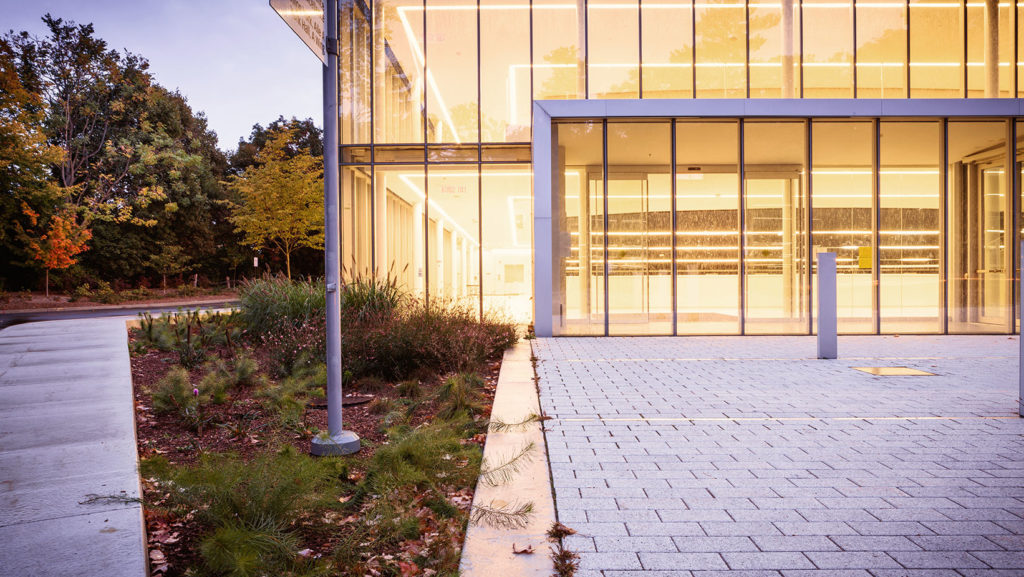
235, 60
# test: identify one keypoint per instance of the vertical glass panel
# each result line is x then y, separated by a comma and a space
721, 48
774, 49
400, 216
881, 49
707, 228
910, 224
505, 70
936, 48
614, 58
558, 59
356, 250
355, 71
828, 48
398, 71
453, 241
841, 196
775, 228
979, 228
577, 218
639, 228
989, 49
508, 241
451, 71
667, 49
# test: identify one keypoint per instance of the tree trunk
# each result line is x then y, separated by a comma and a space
47, 283
165, 283
288, 263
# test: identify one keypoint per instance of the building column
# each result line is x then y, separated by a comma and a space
991, 48
788, 74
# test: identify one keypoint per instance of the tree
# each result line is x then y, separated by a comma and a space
171, 260
307, 138
61, 240
280, 198
25, 160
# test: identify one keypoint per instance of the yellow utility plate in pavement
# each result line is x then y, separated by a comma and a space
894, 371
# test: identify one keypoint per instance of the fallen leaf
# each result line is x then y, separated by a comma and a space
528, 550
157, 556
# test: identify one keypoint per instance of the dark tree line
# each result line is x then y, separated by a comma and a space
94, 151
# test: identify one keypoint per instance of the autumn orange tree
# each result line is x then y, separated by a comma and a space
56, 244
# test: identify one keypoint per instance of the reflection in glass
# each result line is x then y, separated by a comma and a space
558, 44
775, 228
639, 228
936, 48
841, 199
667, 50
504, 70
400, 204
398, 71
614, 62
707, 227
453, 235
827, 49
881, 49
978, 258
452, 106
721, 48
354, 80
774, 49
507, 204
577, 217
910, 196
356, 233
989, 49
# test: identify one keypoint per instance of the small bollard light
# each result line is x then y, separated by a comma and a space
827, 317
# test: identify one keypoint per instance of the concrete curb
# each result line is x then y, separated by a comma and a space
487, 552
67, 443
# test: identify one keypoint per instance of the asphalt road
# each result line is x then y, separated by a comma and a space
8, 319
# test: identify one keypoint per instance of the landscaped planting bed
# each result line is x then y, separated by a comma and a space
227, 406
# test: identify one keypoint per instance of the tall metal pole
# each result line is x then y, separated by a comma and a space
336, 441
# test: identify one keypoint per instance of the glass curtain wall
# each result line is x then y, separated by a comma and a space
707, 227
842, 201
919, 213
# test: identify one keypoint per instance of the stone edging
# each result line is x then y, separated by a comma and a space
487, 551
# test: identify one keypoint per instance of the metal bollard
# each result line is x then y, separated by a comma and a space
827, 317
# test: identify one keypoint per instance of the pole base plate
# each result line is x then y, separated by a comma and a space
344, 443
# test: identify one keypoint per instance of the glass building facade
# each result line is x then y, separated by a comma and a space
687, 223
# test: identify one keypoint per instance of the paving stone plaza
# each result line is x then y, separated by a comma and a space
746, 456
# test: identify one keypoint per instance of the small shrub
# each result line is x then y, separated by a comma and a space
409, 389
422, 458
460, 395
105, 294
187, 290
82, 292
366, 296
380, 405
175, 394
268, 304
295, 347
372, 385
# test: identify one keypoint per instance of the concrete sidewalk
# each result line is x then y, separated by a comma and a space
67, 434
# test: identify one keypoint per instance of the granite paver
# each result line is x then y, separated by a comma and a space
747, 456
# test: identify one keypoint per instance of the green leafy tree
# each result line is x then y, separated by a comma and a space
280, 198
25, 161
171, 260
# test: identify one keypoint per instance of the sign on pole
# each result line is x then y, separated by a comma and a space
305, 18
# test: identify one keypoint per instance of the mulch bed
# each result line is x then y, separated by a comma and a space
243, 426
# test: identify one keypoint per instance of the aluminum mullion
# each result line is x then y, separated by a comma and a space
426, 179
746, 50
808, 159
640, 51
876, 220
693, 48
479, 170
944, 231
1011, 253
742, 225
906, 63
604, 231
853, 10
674, 241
